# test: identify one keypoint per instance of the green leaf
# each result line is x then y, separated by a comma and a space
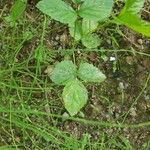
136, 23
90, 41
75, 96
88, 26
89, 73
63, 72
129, 16
76, 30
96, 10
58, 10
17, 9
133, 6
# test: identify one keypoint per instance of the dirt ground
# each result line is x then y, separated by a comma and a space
123, 98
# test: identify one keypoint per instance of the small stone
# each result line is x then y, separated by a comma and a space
109, 42
126, 130
79, 52
133, 112
126, 85
17, 139
147, 97
63, 38
55, 43
48, 70
117, 115
129, 60
121, 86
140, 41
112, 58
57, 38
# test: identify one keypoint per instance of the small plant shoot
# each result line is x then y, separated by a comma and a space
75, 94
74, 74
83, 21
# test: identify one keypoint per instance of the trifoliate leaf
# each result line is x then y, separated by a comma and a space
90, 41
58, 10
89, 73
75, 96
63, 72
96, 10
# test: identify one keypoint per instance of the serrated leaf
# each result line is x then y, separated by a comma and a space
89, 73
88, 26
58, 10
75, 96
90, 41
76, 30
63, 72
96, 10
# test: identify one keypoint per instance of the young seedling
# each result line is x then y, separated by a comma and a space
75, 94
83, 20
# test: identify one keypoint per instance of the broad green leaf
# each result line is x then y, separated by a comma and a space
90, 41
58, 10
63, 72
17, 9
89, 73
96, 10
75, 96
88, 26
133, 6
136, 23
130, 17
76, 30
